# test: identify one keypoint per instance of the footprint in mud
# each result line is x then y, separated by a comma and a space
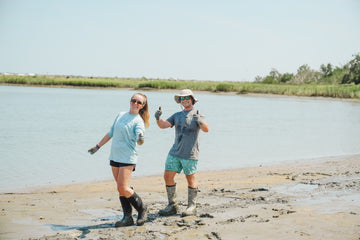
206, 215
259, 190
213, 235
282, 212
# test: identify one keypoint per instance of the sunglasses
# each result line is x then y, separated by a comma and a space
136, 101
185, 98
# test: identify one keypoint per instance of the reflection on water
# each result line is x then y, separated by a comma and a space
327, 196
45, 132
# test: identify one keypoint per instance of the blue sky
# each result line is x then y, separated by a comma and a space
190, 40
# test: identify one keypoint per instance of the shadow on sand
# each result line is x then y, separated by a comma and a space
85, 229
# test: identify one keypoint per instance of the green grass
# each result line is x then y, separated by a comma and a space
312, 90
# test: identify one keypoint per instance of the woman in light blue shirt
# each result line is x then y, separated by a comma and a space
127, 132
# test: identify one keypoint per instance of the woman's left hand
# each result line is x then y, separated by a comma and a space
141, 139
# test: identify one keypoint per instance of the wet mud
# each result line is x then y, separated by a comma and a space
313, 201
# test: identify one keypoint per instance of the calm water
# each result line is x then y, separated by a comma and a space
45, 132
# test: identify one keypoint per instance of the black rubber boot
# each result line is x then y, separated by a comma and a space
127, 220
142, 209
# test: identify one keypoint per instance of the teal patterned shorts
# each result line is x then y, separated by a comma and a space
177, 164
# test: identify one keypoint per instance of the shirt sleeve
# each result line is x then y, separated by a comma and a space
139, 128
202, 116
111, 131
171, 120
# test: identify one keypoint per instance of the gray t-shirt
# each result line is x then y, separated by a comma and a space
186, 143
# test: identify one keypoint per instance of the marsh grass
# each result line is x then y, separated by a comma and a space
312, 90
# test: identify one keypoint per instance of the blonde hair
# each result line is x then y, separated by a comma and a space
144, 112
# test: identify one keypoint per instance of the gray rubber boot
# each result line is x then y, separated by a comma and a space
127, 220
142, 209
172, 208
191, 208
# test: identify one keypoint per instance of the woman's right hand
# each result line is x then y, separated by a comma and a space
93, 149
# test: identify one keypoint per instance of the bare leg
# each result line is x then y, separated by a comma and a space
169, 177
191, 179
122, 177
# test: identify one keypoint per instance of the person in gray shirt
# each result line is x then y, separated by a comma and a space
184, 154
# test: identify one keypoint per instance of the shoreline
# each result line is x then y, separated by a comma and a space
40, 188
264, 95
303, 200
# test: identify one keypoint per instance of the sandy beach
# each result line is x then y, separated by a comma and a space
313, 199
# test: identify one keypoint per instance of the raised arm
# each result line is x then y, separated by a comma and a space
161, 122
204, 126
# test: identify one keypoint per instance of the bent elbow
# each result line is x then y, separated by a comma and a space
205, 127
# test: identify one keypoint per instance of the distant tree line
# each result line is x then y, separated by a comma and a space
328, 74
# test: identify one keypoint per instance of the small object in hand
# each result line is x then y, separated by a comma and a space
198, 118
141, 138
94, 149
158, 114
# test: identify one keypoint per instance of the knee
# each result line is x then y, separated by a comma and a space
169, 179
191, 179
123, 190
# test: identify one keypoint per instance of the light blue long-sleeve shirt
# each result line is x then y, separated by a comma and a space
124, 133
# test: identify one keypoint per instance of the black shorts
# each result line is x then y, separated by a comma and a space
117, 164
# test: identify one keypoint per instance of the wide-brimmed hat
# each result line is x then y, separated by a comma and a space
184, 93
